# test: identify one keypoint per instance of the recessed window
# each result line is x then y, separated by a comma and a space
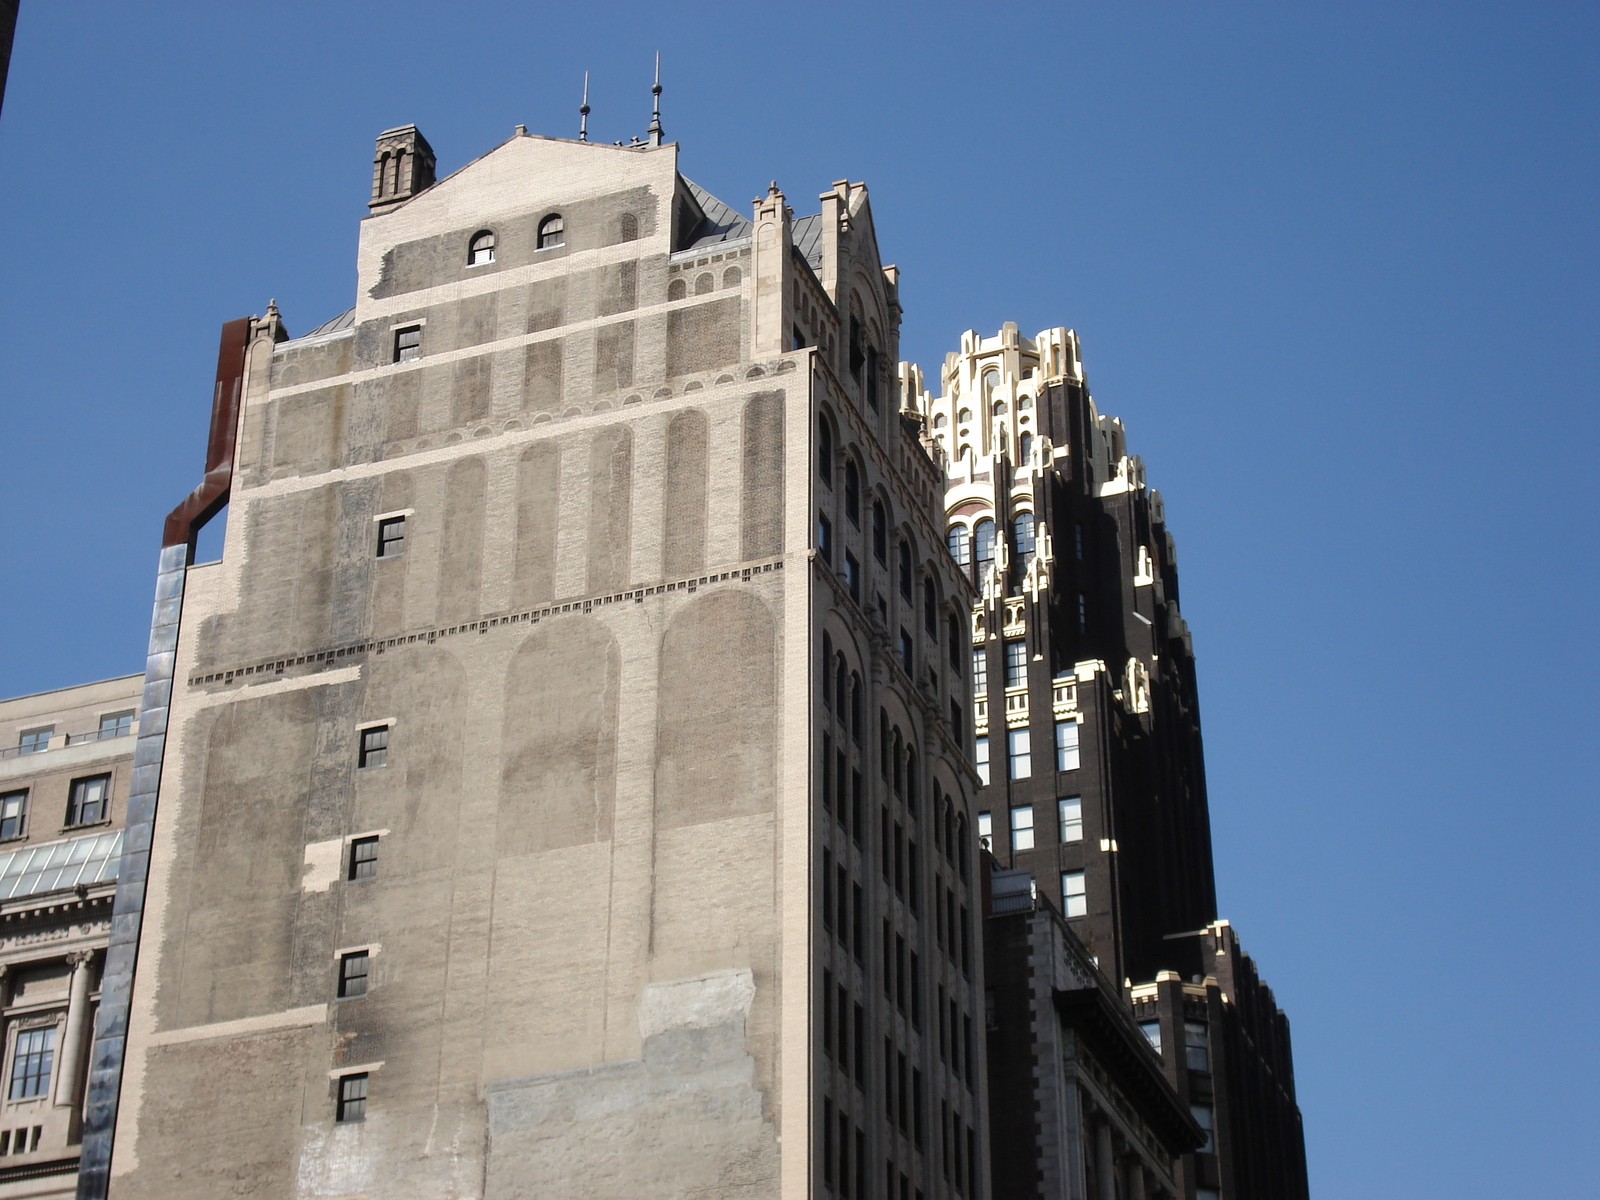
1074, 901
1019, 753
872, 377
13, 812
825, 538
552, 232
31, 1063
1022, 533
980, 671
480, 251
1023, 403
983, 544
852, 576
1070, 811
391, 537
986, 830
1022, 827
907, 653
704, 283
364, 858
1152, 1034
1083, 613
1066, 745
930, 608
852, 493
880, 532
353, 974
374, 747
87, 801
117, 724
959, 539
1203, 1117
1025, 448
980, 759
825, 452
731, 277
627, 228
408, 344
964, 416
954, 641
678, 289
32, 741
352, 1098
1196, 1046
940, 421
905, 570
1016, 663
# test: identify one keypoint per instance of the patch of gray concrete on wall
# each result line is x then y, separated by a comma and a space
461, 556
684, 509
541, 376
703, 337
610, 506
389, 574
538, 499
761, 507
686, 1119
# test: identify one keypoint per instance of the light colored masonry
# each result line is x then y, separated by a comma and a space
596, 532
66, 757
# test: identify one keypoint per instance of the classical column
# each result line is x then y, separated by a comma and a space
77, 1022
1105, 1162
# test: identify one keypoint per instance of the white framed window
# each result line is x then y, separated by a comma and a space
1070, 813
13, 812
391, 537
980, 671
1074, 900
552, 232
408, 344
980, 759
1016, 663
1022, 827
374, 751
1152, 1034
986, 830
480, 251
87, 802
1196, 1046
32, 1061
117, 724
1066, 745
1019, 753
31, 741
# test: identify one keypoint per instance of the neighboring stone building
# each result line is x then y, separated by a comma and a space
66, 759
563, 789
1086, 708
1082, 1109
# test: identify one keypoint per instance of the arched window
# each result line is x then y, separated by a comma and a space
731, 277
627, 228
905, 569
824, 451
999, 409
827, 670
959, 539
949, 831
955, 646
703, 283
1022, 533
481, 249
897, 764
940, 421
983, 543
855, 707
841, 686
930, 608
880, 533
911, 781
1023, 404
678, 289
1025, 448
991, 380
964, 416
852, 493
552, 232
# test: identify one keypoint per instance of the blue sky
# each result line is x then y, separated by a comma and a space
1334, 265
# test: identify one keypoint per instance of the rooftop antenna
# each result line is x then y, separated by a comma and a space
654, 131
583, 111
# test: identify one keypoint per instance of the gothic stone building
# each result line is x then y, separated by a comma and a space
559, 787
1088, 737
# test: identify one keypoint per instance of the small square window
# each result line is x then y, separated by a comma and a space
1071, 815
374, 747
1022, 827
408, 344
117, 724
1066, 745
34, 740
88, 800
1019, 751
1074, 901
352, 1098
353, 974
1196, 1046
13, 809
391, 537
364, 858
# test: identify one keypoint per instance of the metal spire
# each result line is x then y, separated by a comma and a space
583, 111
654, 131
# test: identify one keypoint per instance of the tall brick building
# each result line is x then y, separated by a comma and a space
1088, 743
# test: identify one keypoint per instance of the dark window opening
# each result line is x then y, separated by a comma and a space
391, 537
480, 251
13, 811
353, 974
552, 232
364, 858
408, 344
352, 1098
89, 800
374, 750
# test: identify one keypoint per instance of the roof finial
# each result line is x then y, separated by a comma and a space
654, 131
583, 111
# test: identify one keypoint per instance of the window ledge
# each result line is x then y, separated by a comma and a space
85, 825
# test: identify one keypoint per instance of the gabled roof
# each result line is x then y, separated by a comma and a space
722, 224
807, 235
345, 320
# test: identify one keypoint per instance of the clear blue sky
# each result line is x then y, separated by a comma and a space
1334, 265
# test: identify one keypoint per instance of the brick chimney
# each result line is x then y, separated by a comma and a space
402, 167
